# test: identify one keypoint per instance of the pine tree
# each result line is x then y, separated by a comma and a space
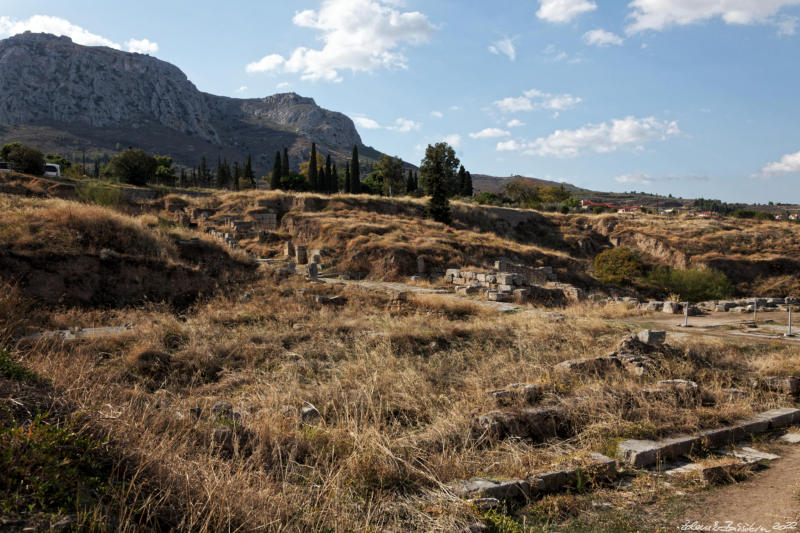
277, 170
467, 186
285, 165
328, 175
355, 173
312, 169
347, 185
236, 175
410, 185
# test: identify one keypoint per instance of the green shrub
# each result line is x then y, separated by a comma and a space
693, 285
14, 371
104, 195
488, 198
617, 265
23, 158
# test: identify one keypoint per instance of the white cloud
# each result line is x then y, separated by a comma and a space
504, 46
283, 85
404, 125
490, 133
512, 105
141, 46
787, 25
646, 179
563, 10
56, 26
437, 114
553, 54
241, 89
366, 123
60, 26
788, 164
629, 132
454, 140
515, 123
455, 108
536, 99
508, 146
661, 14
600, 37
359, 35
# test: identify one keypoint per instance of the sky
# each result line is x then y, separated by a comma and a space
695, 98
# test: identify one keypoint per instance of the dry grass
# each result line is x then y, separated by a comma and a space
397, 392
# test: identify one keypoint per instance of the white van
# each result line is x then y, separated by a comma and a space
52, 170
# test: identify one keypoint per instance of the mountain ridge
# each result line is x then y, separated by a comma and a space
68, 98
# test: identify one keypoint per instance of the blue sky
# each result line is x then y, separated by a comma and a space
689, 97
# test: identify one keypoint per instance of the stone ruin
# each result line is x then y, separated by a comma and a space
508, 282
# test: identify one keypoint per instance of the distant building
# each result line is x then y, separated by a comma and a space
588, 204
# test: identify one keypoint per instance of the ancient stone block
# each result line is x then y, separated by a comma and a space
596, 365
537, 423
653, 338
301, 254
288, 249
313, 270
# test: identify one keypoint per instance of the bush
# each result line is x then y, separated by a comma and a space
100, 194
617, 265
136, 167
693, 285
488, 198
23, 158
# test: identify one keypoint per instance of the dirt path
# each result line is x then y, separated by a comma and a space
768, 499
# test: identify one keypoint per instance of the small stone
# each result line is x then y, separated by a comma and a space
222, 410
309, 413
791, 438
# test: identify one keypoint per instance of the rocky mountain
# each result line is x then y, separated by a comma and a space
69, 98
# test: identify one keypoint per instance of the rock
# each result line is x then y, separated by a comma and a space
653, 338
222, 410
751, 456
223, 437
469, 291
309, 413
784, 385
654, 306
515, 490
537, 424
421, 269
597, 365
313, 270
791, 438
672, 308
452, 273
494, 296
521, 296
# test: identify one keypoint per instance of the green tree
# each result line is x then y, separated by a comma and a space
285, 163
355, 173
165, 174
277, 171
411, 185
462, 180
59, 160
133, 166
203, 172
347, 185
236, 176
466, 190
390, 170
693, 285
438, 205
313, 178
617, 265
329, 187
23, 158
439, 167
334, 180
249, 175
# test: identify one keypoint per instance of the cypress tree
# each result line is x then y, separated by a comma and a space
248, 172
355, 173
220, 181
468, 186
439, 205
236, 175
203, 171
328, 175
334, 180
312, 168
285, 165
462, 179
347, 185
410, 186
277, 170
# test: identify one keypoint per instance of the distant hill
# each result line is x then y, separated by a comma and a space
496, 185
68, 98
